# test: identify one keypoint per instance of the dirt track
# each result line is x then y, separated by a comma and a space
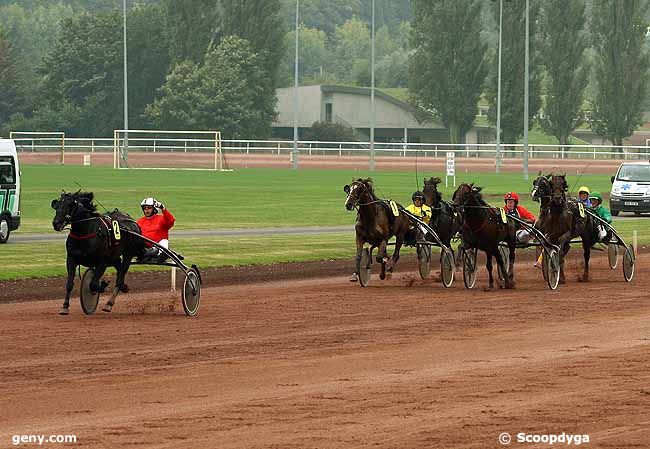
320, 362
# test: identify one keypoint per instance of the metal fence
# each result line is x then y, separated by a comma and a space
317, 148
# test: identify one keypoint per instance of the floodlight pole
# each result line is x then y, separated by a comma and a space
372, 90
125, 149
526, 80
498, 149
294, 151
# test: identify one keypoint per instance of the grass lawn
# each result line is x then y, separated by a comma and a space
240, 199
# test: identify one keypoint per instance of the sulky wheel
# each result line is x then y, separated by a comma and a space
612, 255
447, 267
365, 267
628, 263
551, 267
424, 260
191, 294
469, 267
88, 299
505, 255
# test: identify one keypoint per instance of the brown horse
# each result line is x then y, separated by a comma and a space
484, 229
561, 219
375, 224
445, 219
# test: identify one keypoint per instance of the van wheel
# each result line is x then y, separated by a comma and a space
4, 230
615, 213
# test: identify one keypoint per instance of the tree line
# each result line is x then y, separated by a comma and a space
215, 64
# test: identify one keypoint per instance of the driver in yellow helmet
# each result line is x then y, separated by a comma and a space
420, 210
583, 196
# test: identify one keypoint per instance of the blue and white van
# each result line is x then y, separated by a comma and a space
631, 188
9, 189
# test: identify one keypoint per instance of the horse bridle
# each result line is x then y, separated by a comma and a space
356, 203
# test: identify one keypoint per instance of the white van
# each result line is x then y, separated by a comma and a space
631, 188
9, 189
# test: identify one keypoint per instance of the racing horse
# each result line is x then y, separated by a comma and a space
484, 227
93, 242
562, 220
375, 224
445, 220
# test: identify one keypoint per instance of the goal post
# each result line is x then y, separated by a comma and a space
167, 149
40, 141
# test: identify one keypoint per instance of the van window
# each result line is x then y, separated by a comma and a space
638, 173
7, 172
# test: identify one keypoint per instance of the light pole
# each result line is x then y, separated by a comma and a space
125, 149
526, 62
372, 90
294, 151
498, 149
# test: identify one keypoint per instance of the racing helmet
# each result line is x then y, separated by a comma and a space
596, 196
417, 195
584, 189
150, 201
511, 196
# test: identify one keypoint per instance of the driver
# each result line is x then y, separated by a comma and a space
513, 208
420, 210
155, 227
601, 211
583, 196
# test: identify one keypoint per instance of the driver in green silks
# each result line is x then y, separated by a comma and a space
601, 211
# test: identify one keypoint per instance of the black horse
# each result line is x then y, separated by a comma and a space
562, 219
484, 228
445, 219
375, 224
92, 242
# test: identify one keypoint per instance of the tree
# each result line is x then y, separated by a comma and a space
562, 49
198, 26
621, 67
330, 132
313, 55
12, 100
351, 49
448, 66
513, 37
230, 92
85, 70
319, 14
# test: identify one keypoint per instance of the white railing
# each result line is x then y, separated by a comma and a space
316, 148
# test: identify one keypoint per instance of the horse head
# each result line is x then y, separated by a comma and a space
432, 197
542, 189
467, 194
559, 188
69, 206
359, 193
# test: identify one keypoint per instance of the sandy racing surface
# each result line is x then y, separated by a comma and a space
320, 362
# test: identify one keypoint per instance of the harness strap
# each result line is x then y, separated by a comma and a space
81, 237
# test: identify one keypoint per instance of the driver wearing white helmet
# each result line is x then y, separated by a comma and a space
154, 226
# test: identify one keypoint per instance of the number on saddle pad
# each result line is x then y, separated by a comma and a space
116, 230
393, 207
581, 208
504, 219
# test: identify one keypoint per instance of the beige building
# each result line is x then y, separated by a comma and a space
395, 120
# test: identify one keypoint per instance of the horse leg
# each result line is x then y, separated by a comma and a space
71, 266
586, 251
398, 245
357, 261
564, 249
488, 265
382, 257
510, 279
120, 286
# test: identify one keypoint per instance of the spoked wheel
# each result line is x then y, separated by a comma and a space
612, 255
447, 267
469, 267
551, 267
628, 263
191, 294
365, 267
505, 255
89, 300
424, 260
